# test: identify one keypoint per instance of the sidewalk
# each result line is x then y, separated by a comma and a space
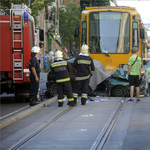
27, 111
132, 131
24, 109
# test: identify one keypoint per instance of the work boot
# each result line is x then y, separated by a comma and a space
83, 101
72, 103
33, 101
60, 104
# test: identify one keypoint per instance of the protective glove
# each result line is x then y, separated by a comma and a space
127, 76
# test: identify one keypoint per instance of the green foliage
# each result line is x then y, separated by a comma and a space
90, 3
6, 4
48, 66
35, 5
69, 17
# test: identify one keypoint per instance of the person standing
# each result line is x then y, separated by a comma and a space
34, 68
51, 55
39, 58
46, 59
84, 69
133, 74
61, 67
148, 78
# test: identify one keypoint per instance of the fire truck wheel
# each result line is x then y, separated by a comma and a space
22, 93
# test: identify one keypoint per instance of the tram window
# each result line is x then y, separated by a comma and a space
135, 34
143, 47
31, 33
84, 30
109, 32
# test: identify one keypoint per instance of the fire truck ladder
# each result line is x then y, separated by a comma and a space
16, 24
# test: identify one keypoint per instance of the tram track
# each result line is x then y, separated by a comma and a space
104, 134
99, 141
38, 130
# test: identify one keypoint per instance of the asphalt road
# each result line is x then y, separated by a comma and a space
81, 127
8, 104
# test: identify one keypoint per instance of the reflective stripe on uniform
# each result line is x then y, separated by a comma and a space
70, 99
84, 62
57, 64
84, 95
82, 78
63, 80
60, 100
75, 95
62, 68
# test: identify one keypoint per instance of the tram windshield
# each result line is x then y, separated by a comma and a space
109, 32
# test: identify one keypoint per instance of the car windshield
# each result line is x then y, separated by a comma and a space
71, 60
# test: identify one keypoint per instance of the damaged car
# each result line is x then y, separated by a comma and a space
102, 83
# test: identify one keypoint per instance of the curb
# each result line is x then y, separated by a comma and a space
13, 118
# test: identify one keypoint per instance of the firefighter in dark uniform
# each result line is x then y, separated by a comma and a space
84, 69
34, 68
61, 67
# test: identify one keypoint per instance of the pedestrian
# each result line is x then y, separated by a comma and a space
84, 70
46, 60
39, 58
51, 55
34, 68
148, 79
133, 74
61, 67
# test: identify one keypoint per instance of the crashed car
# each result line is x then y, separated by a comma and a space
102, 83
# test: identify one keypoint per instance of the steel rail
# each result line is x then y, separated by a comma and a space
14, 112
38, 130
104, 134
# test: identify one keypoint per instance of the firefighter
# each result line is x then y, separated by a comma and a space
61, 67
34, 68
84, 69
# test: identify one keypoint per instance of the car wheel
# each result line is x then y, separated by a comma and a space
127, 92
142, 86
119, 91
53, 89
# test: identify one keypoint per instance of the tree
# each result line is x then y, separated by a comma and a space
69, 17
6, 4
90, 3
34, 5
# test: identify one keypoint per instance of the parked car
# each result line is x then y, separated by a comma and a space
115, 84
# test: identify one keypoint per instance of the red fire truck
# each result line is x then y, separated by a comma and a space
16, 40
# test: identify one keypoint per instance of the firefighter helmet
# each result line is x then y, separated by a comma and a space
58, 54
35, 49
84, 49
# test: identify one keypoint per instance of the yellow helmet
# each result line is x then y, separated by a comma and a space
35, 49
58, 54
84, 49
